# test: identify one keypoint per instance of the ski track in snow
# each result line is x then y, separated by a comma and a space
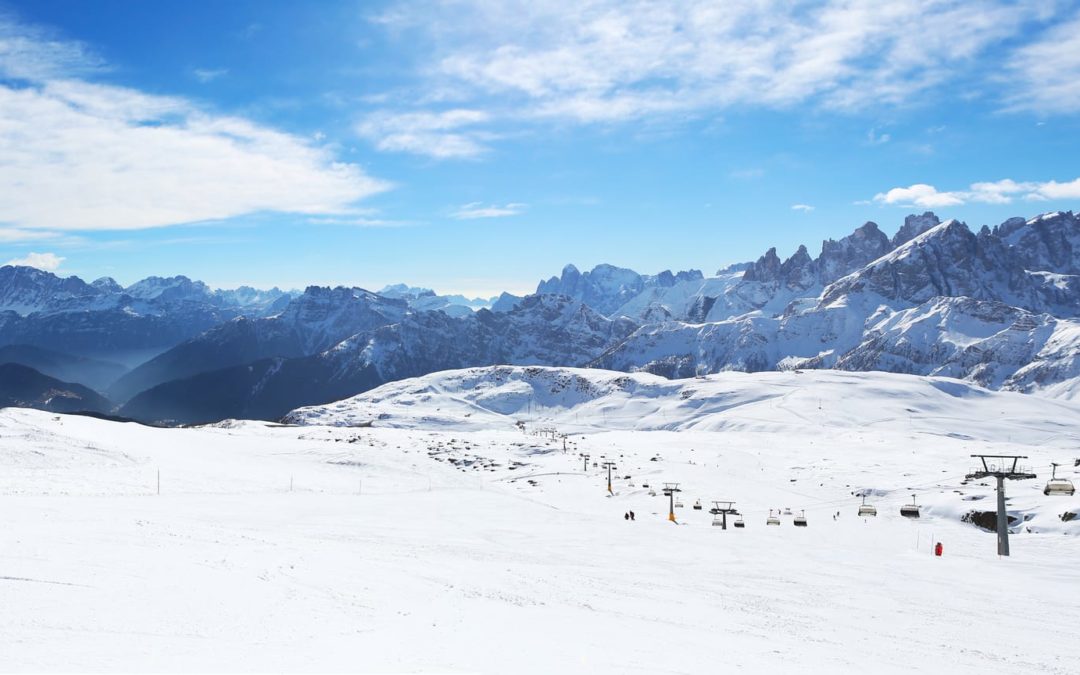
387, 556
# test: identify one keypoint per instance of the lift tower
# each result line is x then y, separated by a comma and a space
669, 490
609, 465
1006, 469
722, 509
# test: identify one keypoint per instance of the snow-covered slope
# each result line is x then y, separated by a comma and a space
582, 399
459, 536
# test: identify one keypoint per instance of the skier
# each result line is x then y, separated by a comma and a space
631, 515
626, 516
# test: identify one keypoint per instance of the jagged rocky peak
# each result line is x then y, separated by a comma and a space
799, 272
949, 260
25, 290
107, 285
1046, 243
169, 288
767, 267
605, 288
839, 258
733, 268
1009, 226
505, 302
913, 226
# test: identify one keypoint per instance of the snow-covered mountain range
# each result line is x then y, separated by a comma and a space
999, 308
105, 320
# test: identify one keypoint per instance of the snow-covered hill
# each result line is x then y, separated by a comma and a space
463, 513
583, 400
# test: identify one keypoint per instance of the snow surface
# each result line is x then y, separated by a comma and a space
456, 535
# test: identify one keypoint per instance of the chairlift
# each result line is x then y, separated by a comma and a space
717, 520
645, 485
697, 505
773, 520
1058, 486
739, 521
787, 511
652, 493
910, 510
678, 504
800, 520
867, 509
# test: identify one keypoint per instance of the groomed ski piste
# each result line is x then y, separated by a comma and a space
439, 525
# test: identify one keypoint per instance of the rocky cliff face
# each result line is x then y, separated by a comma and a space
950, 260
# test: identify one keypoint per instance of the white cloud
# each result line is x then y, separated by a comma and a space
874, 138
479, 210
32, 53
997, 192
50, 262
81, 156
10, 235
442, 135
1045, 75
205, 75
805, 208
1055, 190
608, 61
919, 194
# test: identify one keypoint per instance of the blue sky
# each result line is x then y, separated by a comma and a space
475, 146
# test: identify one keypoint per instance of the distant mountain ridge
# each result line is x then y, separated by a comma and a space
999, 307
106, 321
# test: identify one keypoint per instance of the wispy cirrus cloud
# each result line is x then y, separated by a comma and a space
998, 192
35, 53
50, 262
805, 208
123, 159
477, 210
1045, 74
612, 61
206, 75
444, 134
